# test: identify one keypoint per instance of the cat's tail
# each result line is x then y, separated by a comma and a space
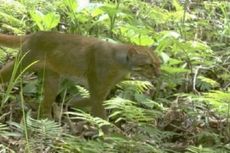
11, 41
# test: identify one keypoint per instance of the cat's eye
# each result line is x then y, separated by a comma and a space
151, 65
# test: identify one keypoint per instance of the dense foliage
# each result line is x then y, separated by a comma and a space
186, 109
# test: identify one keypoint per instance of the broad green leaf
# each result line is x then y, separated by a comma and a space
51, 20
173, 70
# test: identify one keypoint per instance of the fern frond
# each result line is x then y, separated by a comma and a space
95, 121
205, 83
199, 149
124, 109
4, 130
44, 128
5, 149
135, 85
83, 91
220, 100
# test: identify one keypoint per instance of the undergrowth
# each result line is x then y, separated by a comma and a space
186, 109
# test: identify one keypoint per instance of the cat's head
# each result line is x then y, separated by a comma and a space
139, 59
144, 60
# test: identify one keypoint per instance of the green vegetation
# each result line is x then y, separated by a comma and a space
186, 109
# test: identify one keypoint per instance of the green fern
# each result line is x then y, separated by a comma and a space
124, 109
95, 121
219, 100
199, 149
42, 134
135, 85
205, 83
4, 130
43, 128
84, 93
109, 144
5, 149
